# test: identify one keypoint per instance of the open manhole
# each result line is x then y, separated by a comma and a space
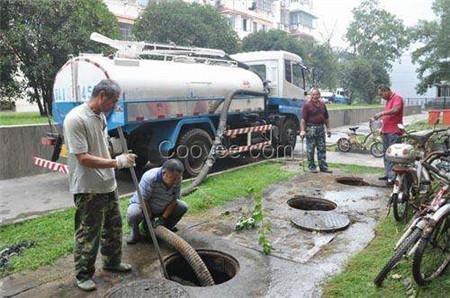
148, 288
353, 181
222, 267
320, 221
311, 203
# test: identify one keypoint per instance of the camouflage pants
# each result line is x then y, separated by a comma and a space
315, 138
97, 219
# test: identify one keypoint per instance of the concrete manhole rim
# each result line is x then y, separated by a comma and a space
352, 181
229, 259
311, 203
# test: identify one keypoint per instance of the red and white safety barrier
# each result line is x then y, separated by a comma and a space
247, 148
54, 166
239, 131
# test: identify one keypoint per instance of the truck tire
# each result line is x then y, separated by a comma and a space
193, 149
289, 135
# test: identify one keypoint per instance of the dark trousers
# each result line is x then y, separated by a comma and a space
97, 220
388, 140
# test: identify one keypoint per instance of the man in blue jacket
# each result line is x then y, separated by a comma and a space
160, 188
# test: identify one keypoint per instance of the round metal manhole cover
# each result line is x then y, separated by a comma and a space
321, 221
148, 288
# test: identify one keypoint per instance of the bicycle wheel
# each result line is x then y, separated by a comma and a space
376, 149
403, 248
433, 253
400, 202
343, 144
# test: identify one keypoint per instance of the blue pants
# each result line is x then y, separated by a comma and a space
388, 140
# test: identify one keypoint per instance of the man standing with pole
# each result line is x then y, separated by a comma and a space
93, 184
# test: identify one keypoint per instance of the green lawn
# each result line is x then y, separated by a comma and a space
17, 118
53, 234
356, 280
339, 106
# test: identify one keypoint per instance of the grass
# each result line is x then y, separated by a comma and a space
356, 280
53, 234
17, 118
356, 169
423, 125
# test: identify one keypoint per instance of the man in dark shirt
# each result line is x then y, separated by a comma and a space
314, 117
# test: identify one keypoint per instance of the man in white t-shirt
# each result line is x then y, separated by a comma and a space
93, 184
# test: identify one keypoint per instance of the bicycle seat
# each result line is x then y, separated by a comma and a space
354, 128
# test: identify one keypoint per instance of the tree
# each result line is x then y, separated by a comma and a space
39, 35
272, 40
434, 56
363, 77
376, 34
186, 24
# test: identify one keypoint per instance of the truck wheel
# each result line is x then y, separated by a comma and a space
289, 135
193, 149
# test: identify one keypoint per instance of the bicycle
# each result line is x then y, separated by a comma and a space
424, 219
372, 141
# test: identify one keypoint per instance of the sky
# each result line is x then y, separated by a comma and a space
335, 16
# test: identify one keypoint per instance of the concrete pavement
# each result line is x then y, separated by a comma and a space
27, 197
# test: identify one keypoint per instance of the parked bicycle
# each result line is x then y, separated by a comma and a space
372, 141
425, 226
412, 182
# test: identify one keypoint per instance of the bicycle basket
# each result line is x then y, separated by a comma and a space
375, 125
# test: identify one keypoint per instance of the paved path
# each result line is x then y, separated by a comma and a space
32, 196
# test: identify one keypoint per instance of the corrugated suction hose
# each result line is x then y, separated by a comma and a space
188, 253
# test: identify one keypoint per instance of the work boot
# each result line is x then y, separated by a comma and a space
313, 171
132, 239
326, 170
121, 268
86, 285
383, 178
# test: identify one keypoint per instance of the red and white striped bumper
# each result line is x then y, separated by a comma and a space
54, 166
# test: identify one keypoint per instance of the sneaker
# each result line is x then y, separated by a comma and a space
384, 178
326, 170
313, 171
121, 268
86, 285
390, 183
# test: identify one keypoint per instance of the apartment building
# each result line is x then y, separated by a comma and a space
295, 17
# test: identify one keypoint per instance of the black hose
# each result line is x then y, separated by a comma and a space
188, 253
211, 159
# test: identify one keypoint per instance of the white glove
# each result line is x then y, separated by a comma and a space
126, 160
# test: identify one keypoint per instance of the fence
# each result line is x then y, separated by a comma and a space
427, 103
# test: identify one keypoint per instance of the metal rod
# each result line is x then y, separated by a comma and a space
143, 206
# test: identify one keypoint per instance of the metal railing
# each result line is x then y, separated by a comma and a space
429, 103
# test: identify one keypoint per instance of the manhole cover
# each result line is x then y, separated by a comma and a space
311, 203
321, 221
222, 267
353, 181
148, 288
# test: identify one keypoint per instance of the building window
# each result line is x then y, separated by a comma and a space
125, 31
302, 18
244, 24
264, 5
264, 27
255, 26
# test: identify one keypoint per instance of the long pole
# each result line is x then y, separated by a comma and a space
143, 206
